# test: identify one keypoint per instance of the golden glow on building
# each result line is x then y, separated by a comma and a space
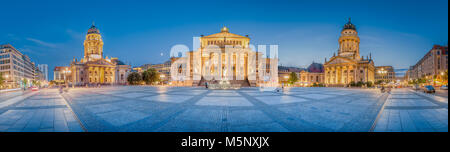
348, 66
93, 68
385, 74
226, 56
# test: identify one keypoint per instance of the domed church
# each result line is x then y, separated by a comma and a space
348, 66
93, 68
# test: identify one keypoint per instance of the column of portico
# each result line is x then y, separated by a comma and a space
330, 76
107, 75
327, 76
89, 74
339, 75
348, 73
365, 70
95, 72
335, 75
342, 75
113, 73
101, 75
94, 75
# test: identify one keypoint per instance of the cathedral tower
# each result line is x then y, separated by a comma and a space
349, 42
93, 45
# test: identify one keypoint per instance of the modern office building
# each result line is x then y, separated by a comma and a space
15, 67
44, 69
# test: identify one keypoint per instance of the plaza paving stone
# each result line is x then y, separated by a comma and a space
46, 111
8, 95
408, 112
168, 98
223, 101
196, 109
274, 100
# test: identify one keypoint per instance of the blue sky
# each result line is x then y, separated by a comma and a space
397, 33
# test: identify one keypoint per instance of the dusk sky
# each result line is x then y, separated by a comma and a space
397, 33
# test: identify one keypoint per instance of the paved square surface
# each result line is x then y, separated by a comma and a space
46, 111
196, 109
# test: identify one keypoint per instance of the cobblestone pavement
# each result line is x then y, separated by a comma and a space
166, 109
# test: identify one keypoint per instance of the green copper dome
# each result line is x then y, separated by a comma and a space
93, 30
349, 25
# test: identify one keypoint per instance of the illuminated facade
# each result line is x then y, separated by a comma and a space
163, 69
15, 67
284, 73
227, 56
314, 74
61, 74
433, 65
93, 68
385, 74
348, 66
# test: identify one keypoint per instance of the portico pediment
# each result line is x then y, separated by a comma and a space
340, 60
100, 62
